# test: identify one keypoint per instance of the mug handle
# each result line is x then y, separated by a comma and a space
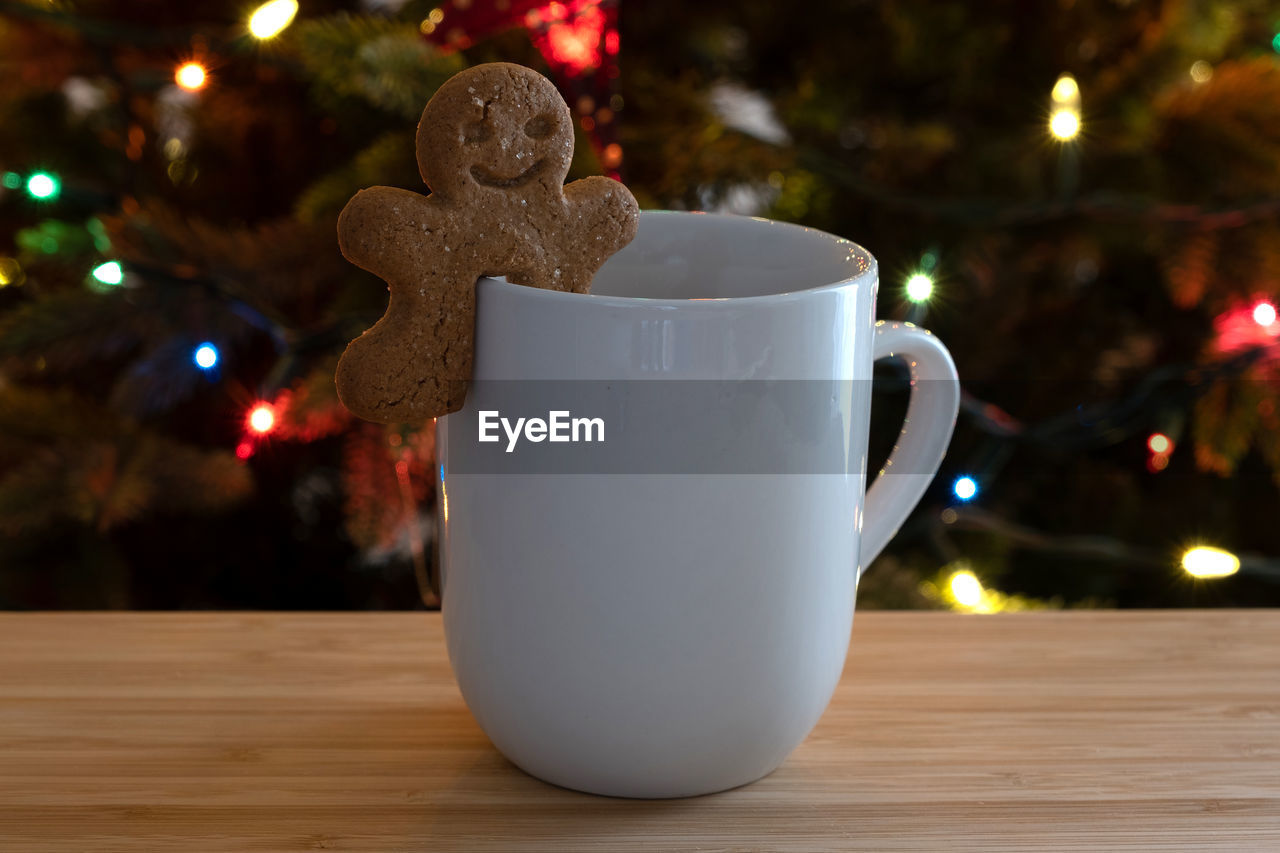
926, 432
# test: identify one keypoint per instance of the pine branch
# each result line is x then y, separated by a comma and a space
157, 381
71, 328
383, 61
311, 409
1006, 213
1190, 266
1229, 119
377, 509
65, 457
1227, 422
272, 274
388, 161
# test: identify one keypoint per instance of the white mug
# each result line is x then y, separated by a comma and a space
669, 633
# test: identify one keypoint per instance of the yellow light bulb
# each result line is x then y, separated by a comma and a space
966, 588
10, 272
1206, 562
1066, 90
1064, 124
191, 76
270, 19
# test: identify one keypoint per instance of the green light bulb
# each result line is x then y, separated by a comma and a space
109, 273
42, 185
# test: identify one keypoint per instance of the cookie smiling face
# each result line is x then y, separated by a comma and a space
494, 146
498, 128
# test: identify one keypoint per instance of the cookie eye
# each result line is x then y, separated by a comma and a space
540, 127
476, 132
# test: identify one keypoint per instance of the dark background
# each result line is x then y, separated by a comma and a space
1093, 291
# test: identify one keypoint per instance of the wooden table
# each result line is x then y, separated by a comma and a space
1095, 731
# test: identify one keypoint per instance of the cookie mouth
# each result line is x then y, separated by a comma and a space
486, 178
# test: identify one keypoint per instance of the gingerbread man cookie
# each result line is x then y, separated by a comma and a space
494, 146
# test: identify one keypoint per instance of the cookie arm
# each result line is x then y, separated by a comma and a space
609, 212
380, 224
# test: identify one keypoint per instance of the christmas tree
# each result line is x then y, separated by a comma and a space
1082, 200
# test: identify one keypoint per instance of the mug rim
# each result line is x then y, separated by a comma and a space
860, 255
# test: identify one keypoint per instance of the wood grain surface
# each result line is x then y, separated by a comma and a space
1098, 731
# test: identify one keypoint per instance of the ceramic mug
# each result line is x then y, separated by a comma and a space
658, 632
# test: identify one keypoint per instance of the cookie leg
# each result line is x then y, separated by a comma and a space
412, 364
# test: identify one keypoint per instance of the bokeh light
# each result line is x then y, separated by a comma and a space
109, 273
1064, 125
43, 185
1066, 90
206, 356
10, 272
1158, 442
270, 19
1204, 561
1264, 314
191, 76
262, 418
919, 287
966, 588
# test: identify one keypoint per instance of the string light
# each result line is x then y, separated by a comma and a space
43, 185
1161, 447
244, 450
1158, 442
919, 287
1204, 561
205, 356
11, 180
191, 76
965, 488
1066, 91
966, 588
10, 272
1064, 125
1064, 119
270, 19
959, 588
262, 419
109, 273
1264, 314
573, 34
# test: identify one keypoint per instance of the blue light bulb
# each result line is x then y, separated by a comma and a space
206, 356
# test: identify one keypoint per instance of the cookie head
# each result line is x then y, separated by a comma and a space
495, 128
